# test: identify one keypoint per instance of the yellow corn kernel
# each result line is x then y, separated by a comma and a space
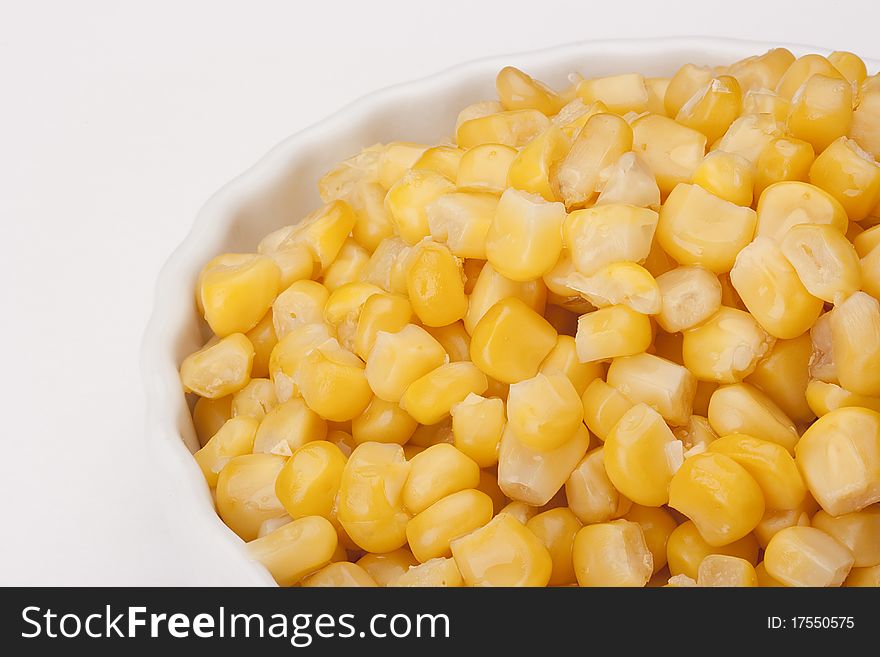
764, 101
850, 175
863, 577
822, 365
525, 238
696, 435
726, 571
380, 312
477, 423
370, 505
372, 219
590, 494
477, 110
323, 232
806, 556
543, 412
657, 525
433, 573
309, 481
676, 581
824, 259
263, 338
641, 456
619, 283
485, 168
689, 296
605, 234
604, 405
620, 93
865, 128
821, 110
850, 66
775, 521
762, 71
556, 529
234, 438
461, 220
839, 457
518, 91
629, 181
727, 176
426, 435
602, 140
783, 159
295, 549
246, 493
333, 382
870, 265
208, 415
510, 341
398, 359
236, 290
343, 308
532, 476
866, 242
219, 369
699, 228
395, 159
671, 151
686, 549
430, 398
492, 286
520, 510
408, 198
435, 284
301, 303
347, 267
801, 70
437, 472
441, 159
855, 336
787, 204
719, 495
612, 554
386, 266
382, 422
361, 168
859, 532
530, 170
431, 531
513, 128
683, 85
750, 135
502, 553
289, 426
339, 574
573, 116
563, 360
725, 348
454, 339
783, 376
612, 332
385, 568
656, 93
665, 386
289, 354
741, 408
712, 108
826, 397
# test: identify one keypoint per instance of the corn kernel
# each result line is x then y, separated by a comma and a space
521, 511
689, 296
657, 88
372, 220
612, 554
461, 220
530, 170
727, 176
309, 481
441, 159
762, 71
477, 424
383, 422
604, 405
394, 160
629, 181
263, 338
822, 365
783, 376
289, 354
398, 359
301, 303
556, 529
764, 101
870, 265
821, 110
380, 312
385, 568
433, 573
513, 128
543, 412
672, 151
431, 531
347, 267
386, 266
246, 493
612, 332
234, 438
605, 234
750, 135
712, 108
333, 382
806, 556
826, 397
337, 184
802, 70
408, 199
696, 435
619, 283
783, 159
620, 93
855, 336
430, 398
289, 426
491, 287
824, 259
665, 386
343, 308
427, 435
850, 175
295, 549
485, 168
850, 66
435, 285
339, 574
859, 532
517, 91
726, 571
437, 472
590, 494
657, 525
563, 360
236, 290
219, 369
477, 110
791, 203
866, 242
774, 521
865, 127
323, 232
741, 408
209, 415
686, 549
725, 348
683, 85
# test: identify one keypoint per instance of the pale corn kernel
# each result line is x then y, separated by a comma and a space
372, 220
563, 360
863, 577
339, 574
602, 140
333, 382
870, 266
431, 531
801, 70
783, 376
301, 303
612, 332
263, 338
605, 234
590, 494
427, 435
765, 101
429, 398
657, 524
295, 549
859, 532
642, 455
395, 159
671, 151
270, 525
619, 283
530, 170
772, 291
822, 365
791, 203
287, 427
295, 262
385, 267
236, 289
741, 408
234, 438
441, 159
435, 284
219, 369
821, 110
867, 241
208, 415
806, 556
719, 495
343, 308
686, 549
683, 85
712, 108
725, 348
612, 554
513, 128
630, 181
855, 336
839, 457
665, 386
783, 159
433, 573
544, 411
574, 115
323, 232
679, 582
517, 90
698, 228
461, 220
380, 312
435, 473
556, 529
689, 296
478, 110
727, 176
525, 238
762, 71
620, 93
510, 341
532, 476
387, 567
246, 493
477, 425
256, 399
749, 135
370, 505
774, 521
696, 435
485, 168
289, 354
492, 287
398, 359
826, 397
850, 66
309, 481
656, 93
865, 127
347, 267
849, 174
408, 199
726, 571
454, 339
825, 261
520, 510
337, 184
383, 422
604, 405
502, 553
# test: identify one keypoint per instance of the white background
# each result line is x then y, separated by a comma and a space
118, 120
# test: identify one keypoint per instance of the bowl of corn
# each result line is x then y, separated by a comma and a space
607, 317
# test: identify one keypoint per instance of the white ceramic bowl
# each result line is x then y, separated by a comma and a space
281, 188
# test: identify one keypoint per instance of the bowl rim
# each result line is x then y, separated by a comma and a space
165, 448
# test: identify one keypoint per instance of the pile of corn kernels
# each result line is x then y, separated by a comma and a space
626, 333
